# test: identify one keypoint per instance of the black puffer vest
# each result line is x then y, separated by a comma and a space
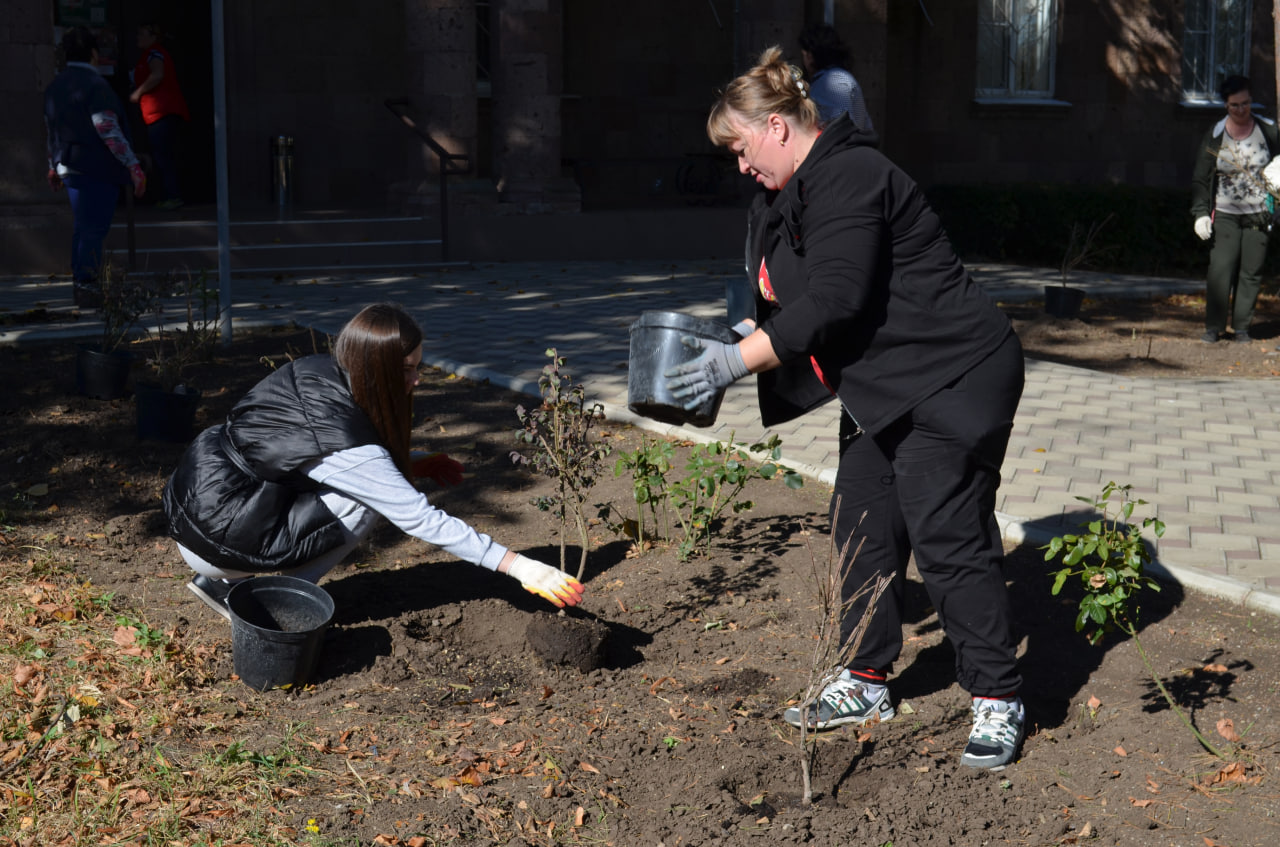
238, 499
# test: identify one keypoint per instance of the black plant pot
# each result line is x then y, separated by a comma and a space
1063, 302
102, 376
166, 415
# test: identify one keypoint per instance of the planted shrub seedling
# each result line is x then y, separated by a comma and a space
559, 432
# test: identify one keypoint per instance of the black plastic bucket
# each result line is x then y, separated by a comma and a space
102, 376
1061, 301
656, 347
277, 628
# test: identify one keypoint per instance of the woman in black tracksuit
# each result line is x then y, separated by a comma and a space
860, 295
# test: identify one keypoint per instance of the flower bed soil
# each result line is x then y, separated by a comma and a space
431, 721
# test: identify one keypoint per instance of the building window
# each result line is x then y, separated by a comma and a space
1215, 45
1016, 41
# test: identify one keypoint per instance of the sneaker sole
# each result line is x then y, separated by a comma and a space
212, 603
870, 720
971, 762
982, 765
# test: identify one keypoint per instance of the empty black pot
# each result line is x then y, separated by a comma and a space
102, 376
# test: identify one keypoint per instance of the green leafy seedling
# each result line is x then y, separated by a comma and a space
1109, 559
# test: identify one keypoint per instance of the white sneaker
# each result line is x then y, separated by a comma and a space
845, 700
997, 731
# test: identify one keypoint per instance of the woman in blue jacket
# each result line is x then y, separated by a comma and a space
860, 295
89, 155
307, 462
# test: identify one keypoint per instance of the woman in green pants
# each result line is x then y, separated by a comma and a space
1230, 204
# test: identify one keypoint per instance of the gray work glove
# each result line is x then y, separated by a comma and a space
744, 327
700, 379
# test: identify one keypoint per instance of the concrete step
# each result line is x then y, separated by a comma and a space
259, 243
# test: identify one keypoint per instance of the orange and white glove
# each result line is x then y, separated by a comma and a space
439, 467
550, 583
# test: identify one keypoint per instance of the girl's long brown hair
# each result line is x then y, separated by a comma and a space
372, 348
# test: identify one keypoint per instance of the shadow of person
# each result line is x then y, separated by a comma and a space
363, 598
1057, 660
350, 650
376, 595
930, 669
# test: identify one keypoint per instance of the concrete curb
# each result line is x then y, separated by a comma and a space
1023, 531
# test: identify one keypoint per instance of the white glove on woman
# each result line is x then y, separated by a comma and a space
1204, 227
547, 582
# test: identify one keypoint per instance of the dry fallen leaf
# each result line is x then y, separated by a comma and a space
657, 683
1215, 668
1093, 704
1120, 751
1234, 773
1227, 729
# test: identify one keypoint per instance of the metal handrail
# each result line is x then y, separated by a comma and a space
401, 107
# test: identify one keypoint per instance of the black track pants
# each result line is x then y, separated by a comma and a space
927, 484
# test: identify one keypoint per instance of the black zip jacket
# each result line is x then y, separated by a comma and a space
866, 283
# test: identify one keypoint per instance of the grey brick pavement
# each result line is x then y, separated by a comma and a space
1204, 453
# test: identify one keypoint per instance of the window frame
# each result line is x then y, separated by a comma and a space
1193, 94
1006, 33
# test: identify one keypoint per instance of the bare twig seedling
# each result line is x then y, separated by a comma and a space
831, 655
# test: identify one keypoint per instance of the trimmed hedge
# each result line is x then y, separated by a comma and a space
1150, 232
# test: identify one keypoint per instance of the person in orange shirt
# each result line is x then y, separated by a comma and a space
164, 110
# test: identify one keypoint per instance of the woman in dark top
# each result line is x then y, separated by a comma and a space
859, 294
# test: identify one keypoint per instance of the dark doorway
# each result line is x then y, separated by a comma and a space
188, 37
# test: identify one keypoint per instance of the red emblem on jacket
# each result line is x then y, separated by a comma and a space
766, 289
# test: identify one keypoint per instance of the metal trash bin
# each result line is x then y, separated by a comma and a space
282, 173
